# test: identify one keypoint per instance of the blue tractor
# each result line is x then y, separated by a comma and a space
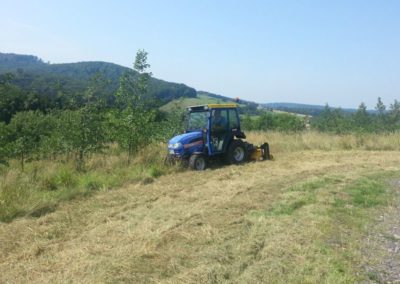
213, 132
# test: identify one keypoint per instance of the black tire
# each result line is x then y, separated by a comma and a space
237, 152
197, 162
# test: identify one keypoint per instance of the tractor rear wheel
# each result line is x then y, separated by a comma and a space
197, 162
237, 152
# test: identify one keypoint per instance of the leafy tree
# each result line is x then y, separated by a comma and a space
273, 121
5, 143
57, 141
380, 121
247, 123
264, 122
141, 67
332, 120
361, 120
88, 133
27, 130
169, 124
136, 120
394, 115
380, 107
11, 98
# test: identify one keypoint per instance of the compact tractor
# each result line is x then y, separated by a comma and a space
213, 132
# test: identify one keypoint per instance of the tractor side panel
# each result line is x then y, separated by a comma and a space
195, 146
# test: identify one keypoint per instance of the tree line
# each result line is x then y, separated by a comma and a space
382, 119
87, 126
333, 120
277, 121
77, 126
27, 83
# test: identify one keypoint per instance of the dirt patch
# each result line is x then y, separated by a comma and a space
383, 244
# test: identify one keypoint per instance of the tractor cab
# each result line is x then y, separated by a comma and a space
212, 131
218, 123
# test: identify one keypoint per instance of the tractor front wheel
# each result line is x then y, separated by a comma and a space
237, 152
197, 162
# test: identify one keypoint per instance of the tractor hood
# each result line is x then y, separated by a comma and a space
185, 144
186, 138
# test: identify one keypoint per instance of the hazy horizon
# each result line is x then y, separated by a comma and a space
311, 52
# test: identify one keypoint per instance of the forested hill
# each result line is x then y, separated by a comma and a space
31, 74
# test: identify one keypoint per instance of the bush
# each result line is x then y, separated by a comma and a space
27, 130
274, 121
5, 143
63, 177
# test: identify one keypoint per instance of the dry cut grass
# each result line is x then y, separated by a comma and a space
301, 218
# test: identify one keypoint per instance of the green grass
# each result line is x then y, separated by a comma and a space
44, 184
338, 214
306, 217
183, 103
366, 193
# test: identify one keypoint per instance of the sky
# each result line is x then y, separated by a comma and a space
340, 52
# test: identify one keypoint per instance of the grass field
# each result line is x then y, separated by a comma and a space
305, 217
183, 103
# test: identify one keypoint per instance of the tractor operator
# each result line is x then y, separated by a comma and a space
218, 122
219, 128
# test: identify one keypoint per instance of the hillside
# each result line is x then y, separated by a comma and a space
44, 83
200, 99
310, 216
33, 75
246, 107
306, 109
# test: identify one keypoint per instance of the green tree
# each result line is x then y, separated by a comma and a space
12, 99
167, 125
394, 115
88, 135
142, 83
380, 107
5, 143
380, 121
264, 122
247, 123
27, 131
136, 120
331, 120
288, 122
57, 142
361, 119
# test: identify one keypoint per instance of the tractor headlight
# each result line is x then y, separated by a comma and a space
175, 145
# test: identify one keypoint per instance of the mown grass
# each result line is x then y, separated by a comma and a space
303, 218
320, 228
43, 184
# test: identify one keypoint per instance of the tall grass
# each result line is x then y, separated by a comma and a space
43, 184
310, 140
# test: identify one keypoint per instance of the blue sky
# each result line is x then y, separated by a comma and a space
317, 52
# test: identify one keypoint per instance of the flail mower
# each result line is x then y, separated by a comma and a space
213, 132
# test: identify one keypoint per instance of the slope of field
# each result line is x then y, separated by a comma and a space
200, 99
302, 218
305, 109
